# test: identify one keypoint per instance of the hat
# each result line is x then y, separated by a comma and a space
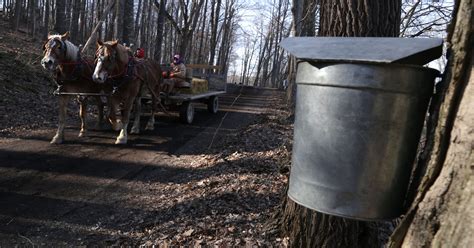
177, 57
140, 53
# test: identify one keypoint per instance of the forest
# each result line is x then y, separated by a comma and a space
223, 180
240, 36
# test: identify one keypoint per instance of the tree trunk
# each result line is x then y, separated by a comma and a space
308, 26
16, 19
308, 228
215, 11
159, 35
34, 7
366, 18
127, 32
442, 213
46, 17
136, 29
60, 20
143, 23
118, 24
82, 17
74, 24
296, 26
29, 16
226, 41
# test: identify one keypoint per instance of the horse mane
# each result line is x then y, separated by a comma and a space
72, 50
123, 53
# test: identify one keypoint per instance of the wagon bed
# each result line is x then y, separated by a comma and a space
183, 102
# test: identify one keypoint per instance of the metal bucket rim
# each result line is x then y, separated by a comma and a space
321, 64
338, 214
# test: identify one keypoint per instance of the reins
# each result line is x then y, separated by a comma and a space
77, 69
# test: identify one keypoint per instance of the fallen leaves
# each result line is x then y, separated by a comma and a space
232, 192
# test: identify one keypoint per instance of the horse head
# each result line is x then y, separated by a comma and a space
56, 50
111, 59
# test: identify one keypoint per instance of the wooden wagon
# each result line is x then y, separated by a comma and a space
207, 83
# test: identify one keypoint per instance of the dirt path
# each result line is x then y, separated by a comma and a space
163, 185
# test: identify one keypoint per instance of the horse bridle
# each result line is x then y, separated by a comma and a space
98, 56
63, 45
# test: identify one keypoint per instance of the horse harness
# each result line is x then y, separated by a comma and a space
75, 75
127, 74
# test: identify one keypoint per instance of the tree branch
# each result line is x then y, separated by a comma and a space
169, 17
92, 36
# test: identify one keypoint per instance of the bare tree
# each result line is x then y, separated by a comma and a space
215, 11
60, 24
127, 28
161, 27
425, 18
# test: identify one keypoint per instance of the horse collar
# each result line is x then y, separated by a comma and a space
126, 75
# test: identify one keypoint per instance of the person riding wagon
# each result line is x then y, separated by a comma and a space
176, 77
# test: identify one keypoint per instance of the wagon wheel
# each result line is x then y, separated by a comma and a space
186, 113
213, 104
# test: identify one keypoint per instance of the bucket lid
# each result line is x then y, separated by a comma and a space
384, 50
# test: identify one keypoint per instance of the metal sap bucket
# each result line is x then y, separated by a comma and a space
356, 134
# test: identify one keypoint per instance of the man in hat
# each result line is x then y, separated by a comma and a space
140, 53
176, 77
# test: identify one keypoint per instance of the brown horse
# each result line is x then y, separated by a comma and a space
73, 74
115, 64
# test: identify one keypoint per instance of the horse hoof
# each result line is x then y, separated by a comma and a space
135, 131
117, 127
81, 134
121, 141
150, 127
56, 140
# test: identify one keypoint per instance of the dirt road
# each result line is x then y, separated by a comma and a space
91, 191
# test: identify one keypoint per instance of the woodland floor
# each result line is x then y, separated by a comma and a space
215, 182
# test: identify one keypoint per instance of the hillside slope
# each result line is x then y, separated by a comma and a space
26, 99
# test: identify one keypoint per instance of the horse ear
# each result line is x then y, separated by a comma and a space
114, 43
65, 36
99, 43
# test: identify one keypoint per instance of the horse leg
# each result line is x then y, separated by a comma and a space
100, 118
127, 108
59, 137
113, 107
151, 122
138, 112
82, 115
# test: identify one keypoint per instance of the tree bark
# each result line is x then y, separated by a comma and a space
60, 25
16, 17
127, 28
118, 23
159, 35
46, 17
216, 7
442, 212
74, 24
136, 29
308, 22
308, 228
366, 18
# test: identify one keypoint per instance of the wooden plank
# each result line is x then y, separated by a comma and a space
188, 97
204, 66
